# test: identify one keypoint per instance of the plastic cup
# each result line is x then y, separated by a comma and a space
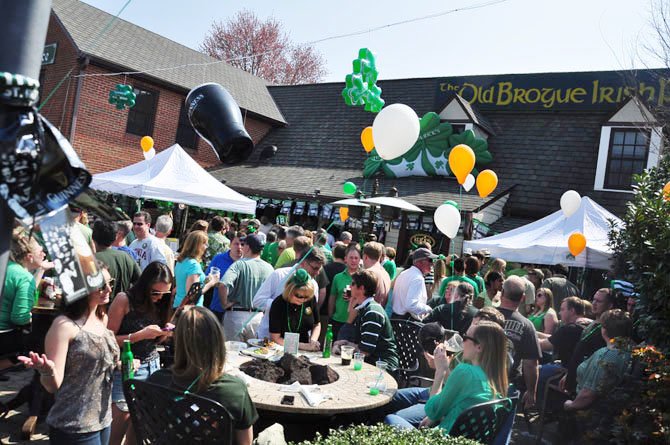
215, 272
346, 352
358, 361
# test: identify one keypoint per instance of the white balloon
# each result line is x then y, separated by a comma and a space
469, 182
395, 130
149, 154
570, 203
448, 219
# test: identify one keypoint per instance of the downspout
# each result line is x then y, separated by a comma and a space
83, 63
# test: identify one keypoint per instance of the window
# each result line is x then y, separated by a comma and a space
186, 135
141, 116
458, 128
628, 154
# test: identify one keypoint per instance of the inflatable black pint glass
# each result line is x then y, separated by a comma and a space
216, 117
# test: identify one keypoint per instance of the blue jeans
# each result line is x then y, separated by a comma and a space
142, 373
59, 437
409, 405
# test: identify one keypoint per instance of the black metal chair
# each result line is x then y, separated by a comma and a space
163, 415
484, 422
406, 335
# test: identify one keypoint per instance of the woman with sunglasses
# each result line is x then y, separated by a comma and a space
297, 311
138, 316
81, 355
544, 316
480, 378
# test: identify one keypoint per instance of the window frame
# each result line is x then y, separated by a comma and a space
613, 130
152, 121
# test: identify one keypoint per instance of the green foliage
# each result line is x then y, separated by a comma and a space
382, 434
642, 251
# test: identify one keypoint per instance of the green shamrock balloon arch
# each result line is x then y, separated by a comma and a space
122, 96
361, 85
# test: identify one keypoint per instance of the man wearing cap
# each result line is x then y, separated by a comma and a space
238, 287
409, 292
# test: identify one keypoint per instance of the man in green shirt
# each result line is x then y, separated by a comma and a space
271, 249
459, 275
338, 303
122, 268
238, 287
288, 255
389, 262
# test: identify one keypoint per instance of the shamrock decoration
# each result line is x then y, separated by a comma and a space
123, 96
361, 85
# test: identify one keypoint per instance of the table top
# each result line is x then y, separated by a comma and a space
350, 393
45, 310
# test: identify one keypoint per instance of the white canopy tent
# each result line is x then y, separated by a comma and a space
546, 241
172, 175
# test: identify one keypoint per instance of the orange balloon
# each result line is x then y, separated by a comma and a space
666, 191
487, 181
576, 243
147, 143
366, 139
461, 161
344, 213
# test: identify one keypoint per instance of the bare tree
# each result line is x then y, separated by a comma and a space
263, 49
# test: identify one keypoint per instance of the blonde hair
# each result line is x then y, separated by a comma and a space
21, 245
493, 358
191, 248
199, 224
290, 287
548, 298
499, 266
439, 270
199, 347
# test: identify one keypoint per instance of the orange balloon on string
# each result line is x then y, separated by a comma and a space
344, 213
366, 139
461, 162
576, 243
147, 143
487, 181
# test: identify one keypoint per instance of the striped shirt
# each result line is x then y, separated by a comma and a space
375, 335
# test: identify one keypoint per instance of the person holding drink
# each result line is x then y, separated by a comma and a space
338, 303
297, 311
188, 269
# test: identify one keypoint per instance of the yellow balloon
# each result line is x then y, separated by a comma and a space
576, 243
461, 161
147, 143
666, 191
344, 213
366, 139
487, 181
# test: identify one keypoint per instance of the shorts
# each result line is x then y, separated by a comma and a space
143, 372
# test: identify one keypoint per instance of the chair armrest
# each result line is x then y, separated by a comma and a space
417, 380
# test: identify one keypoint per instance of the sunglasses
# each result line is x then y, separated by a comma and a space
110, 283
157, 293
302, 297
472, 339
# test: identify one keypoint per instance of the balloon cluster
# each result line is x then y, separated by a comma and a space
571, 201
122, 96
361, 85
147, 144
461, 162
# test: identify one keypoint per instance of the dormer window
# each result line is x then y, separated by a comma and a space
630, 142
462, 116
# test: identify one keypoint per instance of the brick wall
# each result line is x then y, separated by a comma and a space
100, 136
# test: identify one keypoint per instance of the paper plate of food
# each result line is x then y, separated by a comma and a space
259, 352
263, 343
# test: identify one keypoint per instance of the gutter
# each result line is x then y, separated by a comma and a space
83, 63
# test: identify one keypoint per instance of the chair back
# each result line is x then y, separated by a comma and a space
483, 422
163, 415
406, 333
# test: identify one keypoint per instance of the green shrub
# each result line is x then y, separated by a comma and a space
382, 434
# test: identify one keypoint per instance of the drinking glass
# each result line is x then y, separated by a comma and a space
358, 361
346, 353
215, 272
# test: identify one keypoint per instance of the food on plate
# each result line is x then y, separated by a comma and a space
262, 351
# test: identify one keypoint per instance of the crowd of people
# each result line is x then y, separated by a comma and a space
237, 281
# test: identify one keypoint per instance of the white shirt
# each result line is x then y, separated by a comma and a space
148, 250
409, 293
272, 287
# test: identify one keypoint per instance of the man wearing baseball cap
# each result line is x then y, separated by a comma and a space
238, 287
409, 292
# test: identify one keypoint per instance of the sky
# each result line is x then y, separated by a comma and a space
514, 36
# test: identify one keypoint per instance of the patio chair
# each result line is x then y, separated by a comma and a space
406, 335
163, 416
487, 422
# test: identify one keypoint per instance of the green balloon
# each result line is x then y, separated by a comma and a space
451, 203
349, 188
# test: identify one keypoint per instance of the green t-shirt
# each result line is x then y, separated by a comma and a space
18, 297
286, 257
86, 231
228, 390
327, 253
269, 252
216, 243
463, 278
481, 286
121, 267
340, 281
244, 278
466, 386
390, 267
603, 370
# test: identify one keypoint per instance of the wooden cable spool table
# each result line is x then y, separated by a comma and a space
350, 393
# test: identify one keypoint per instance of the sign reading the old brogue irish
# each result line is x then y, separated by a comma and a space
558, 91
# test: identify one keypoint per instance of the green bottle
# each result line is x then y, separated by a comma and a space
127, 368
328, 341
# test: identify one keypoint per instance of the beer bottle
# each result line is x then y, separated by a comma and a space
127, 368
328, 341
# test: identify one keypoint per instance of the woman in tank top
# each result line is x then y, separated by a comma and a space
81, 354
544, 316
